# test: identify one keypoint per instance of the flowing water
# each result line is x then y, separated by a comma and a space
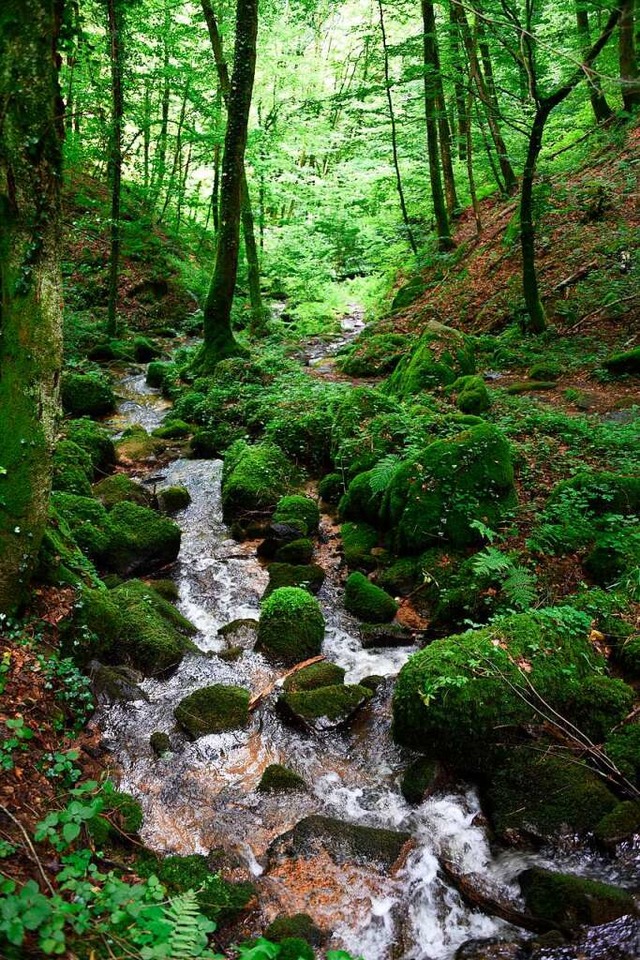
203, 795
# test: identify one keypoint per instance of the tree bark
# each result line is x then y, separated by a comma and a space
601, 109
219, 341
629, 73
31, 130
258, 312
394, 137
462, 111
114, 15
445, 241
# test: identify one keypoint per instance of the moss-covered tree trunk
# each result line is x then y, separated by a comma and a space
431, 67
219, 341
114, 22
31, 126
629, 71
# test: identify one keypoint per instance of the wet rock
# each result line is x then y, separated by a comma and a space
119, 488
279, 779
368, 602
116, 683
291, 627
308, 577
324, 708
316, 675
297, 552
240, 633
299, 511
278, 536
213, 709
490, 949
569, 901
299, 925
623, 823
160, 743
419, 779
173, 499
618, 940
385, 635
343, 842
373, 682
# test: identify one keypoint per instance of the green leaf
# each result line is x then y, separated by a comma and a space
71, 831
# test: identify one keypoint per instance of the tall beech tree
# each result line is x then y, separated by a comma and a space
115, 29
219, 341
431, 102
31, 130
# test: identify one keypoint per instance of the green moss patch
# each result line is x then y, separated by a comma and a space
358, 540
368, 602
279, 779
87, 394
72, 469
291, 627
302, 511
308, 577
374, 355
621, 363
254, 478
316, 675
120, 488
568, 901
440, 357
213, 710
344, 842
297, 552
419, 779
173, 499
95, 441
325, 707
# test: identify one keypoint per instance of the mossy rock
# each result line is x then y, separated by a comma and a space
291, 627
160, 743
362, 502
325, 707
358, 540
408, 293
545, 370
209, 444
156, 373
120, 820
294, 948
167, 589
530, 386
60, 559
381, 635
344, 842
140, 540
619, 826
72, 469
218, 899
240, 633
419, 780
87, 394
173, 499
439, 494
213, 709
137, 445
119, 488
298, 552
567, 901
302, 511
472, 395
279, 779
94, 440
623, 747
331, 488
299, 925
613, 557
462, 696
131, 624
307, 576
598, 492
621, 363
254, 478
401, 577
368, 602
316, 675
88, 523
532, 795
598, 704
440, 357
173, 430
116, 684
144, 350
374, 356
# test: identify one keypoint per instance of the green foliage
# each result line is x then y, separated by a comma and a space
358, 540
16, 740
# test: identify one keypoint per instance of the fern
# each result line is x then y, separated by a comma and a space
383, 473
492, 563
520, 588
188, 934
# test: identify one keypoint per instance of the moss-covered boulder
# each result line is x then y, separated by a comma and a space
173, 430
130, 624
218, 899
362, 500
119, 821
309, 577
298, 925
213, 710
316, 675
375, 355
623, 747
291, 627
464, 695
88, 523
254, 478
173, 499
140, 540
240, 633
72, 469
626, 362
279, 779
536, 796
167, 589
331, 488
619, 826
95, 441
160, 743
325, 707
138, 446
568, 901
545, 370
472, 396
439, 358
439, 494
379, 635
358, 540
301, 511
157, 371
598, 704
119, 488
144, 350
87, 394
298, 552
343, 842
613, 558
419, 779
368, 602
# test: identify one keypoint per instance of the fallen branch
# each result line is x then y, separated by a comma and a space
32, 853
578, 275
605, 306
259, 697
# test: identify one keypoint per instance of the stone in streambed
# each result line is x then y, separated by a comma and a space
213, 709
240, 633
291, 627
307, 576
374, 635
326, 707
316, 675
279, 779
343, 842
568, 901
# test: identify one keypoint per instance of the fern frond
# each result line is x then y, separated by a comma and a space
520, 588
491, 562
189, 935
383, 473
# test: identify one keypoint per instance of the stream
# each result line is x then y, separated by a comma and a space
203, 795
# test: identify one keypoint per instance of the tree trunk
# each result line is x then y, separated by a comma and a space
601, 109
219, 341
217, 159
177, 154
160, 157
114, 15
31, 130
445, 241
444, 131
477, 213
629, 73
462, 111
394, 137
258, 312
